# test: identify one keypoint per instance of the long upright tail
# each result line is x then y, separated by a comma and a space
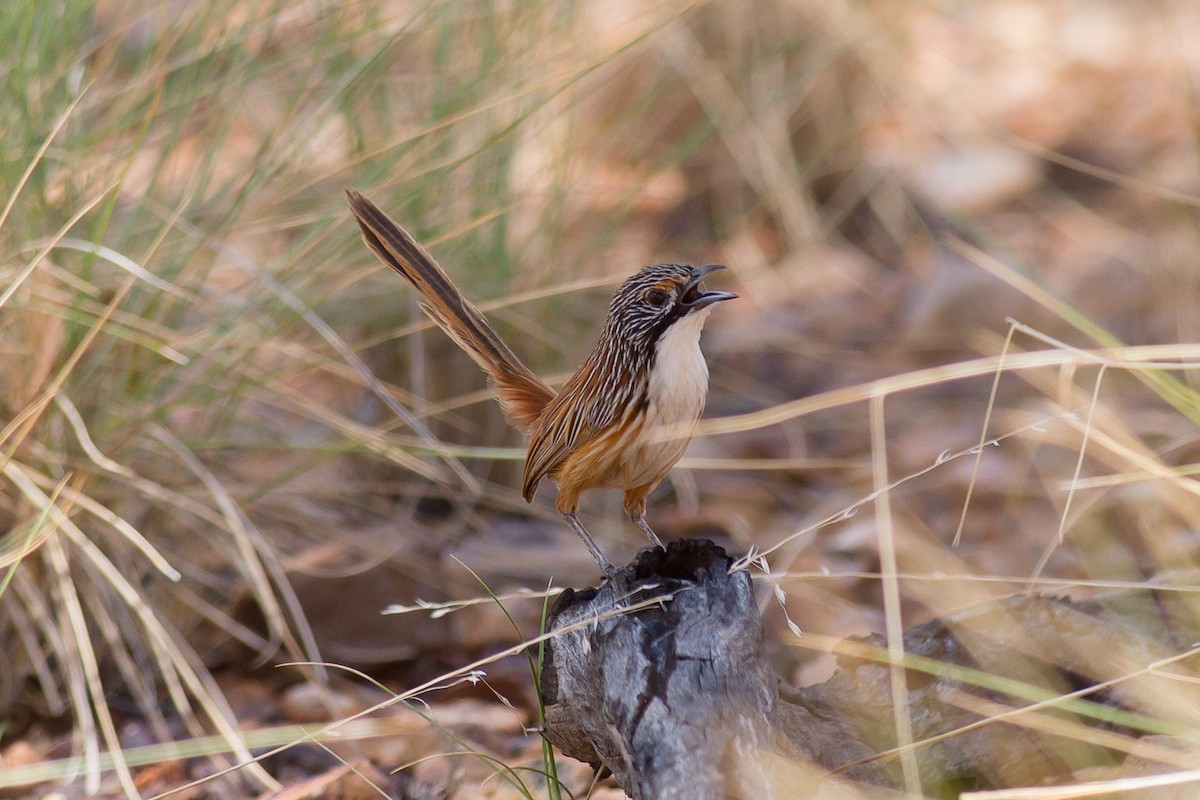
522, 394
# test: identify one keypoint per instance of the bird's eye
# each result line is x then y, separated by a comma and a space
657, 298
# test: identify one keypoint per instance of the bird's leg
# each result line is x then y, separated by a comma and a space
646, 529
635, 507
605, 565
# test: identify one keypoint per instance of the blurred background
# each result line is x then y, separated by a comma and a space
231, 440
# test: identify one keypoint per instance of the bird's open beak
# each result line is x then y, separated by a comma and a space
695, 297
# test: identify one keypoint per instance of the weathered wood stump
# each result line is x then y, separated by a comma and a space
676, 697
660, 676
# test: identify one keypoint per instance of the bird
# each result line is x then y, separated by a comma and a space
624, 417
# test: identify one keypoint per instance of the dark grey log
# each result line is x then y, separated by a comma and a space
676, 698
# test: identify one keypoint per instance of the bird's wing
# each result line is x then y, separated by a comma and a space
563, 428
580, 414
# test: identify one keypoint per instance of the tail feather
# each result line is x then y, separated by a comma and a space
522, 395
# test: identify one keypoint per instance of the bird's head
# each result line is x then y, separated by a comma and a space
657, 297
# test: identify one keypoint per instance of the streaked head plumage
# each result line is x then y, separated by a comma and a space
651, 300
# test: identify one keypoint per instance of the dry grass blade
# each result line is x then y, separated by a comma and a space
891, 597
200, 747
82, 646
1092, 789
36, 159
983, 431
1134, 358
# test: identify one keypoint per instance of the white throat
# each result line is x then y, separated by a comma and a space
679, 378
